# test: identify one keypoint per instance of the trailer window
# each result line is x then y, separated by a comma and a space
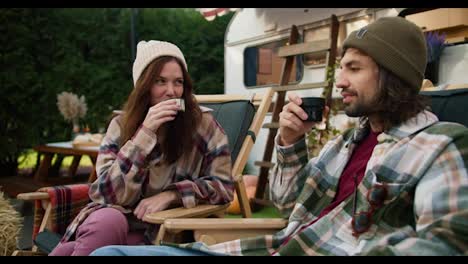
322, 33
262, 66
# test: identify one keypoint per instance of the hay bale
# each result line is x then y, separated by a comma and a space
10, 226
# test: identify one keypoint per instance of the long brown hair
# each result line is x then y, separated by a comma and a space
180, 139
396, 100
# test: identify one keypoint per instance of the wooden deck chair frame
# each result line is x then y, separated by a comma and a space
261, 101
212, 231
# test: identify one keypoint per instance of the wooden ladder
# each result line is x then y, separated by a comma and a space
289, 52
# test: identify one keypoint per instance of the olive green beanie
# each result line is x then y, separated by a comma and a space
396, 44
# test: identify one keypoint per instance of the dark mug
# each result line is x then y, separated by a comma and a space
313, 106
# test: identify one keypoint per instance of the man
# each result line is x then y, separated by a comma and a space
395, 185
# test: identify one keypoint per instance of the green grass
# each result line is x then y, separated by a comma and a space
28, 160
265, 212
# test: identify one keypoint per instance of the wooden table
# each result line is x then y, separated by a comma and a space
67, 149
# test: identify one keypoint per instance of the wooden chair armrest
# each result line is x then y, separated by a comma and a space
217, 98
33, 196
211, 230
224, 223
181, 212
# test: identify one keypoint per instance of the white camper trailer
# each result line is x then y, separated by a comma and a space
254, 35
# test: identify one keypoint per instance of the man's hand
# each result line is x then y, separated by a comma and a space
291, 121
156, 203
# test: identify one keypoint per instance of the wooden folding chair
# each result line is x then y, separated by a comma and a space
449, 104
229, 113
241, 139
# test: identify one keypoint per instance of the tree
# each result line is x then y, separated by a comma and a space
87, 52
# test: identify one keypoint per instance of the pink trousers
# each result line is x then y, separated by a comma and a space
104, 227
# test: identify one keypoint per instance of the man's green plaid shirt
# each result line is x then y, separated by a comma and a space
423, 164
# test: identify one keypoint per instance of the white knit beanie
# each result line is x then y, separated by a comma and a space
147, 51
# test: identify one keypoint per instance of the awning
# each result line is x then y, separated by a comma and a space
211, 13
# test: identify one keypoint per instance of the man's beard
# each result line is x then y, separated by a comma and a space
359, 109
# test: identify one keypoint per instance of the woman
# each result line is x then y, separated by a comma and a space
154, 156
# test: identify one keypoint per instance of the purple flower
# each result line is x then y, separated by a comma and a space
435, 45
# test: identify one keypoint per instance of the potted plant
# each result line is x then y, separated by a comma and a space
324, 131
435, 45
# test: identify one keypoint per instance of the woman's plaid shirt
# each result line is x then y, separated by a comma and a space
133, 172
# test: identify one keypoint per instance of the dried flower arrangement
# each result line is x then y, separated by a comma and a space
435, 45
72, 108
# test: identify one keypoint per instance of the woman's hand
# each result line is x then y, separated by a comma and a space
156, 203
160, 113
291, 121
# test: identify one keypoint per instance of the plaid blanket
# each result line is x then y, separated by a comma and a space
66, 201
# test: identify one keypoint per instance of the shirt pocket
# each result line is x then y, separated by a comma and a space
397, 207
395, 186
391, 207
